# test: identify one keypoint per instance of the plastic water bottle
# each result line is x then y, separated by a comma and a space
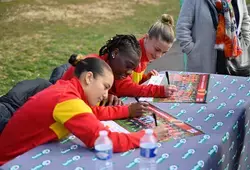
148, 151
103, 151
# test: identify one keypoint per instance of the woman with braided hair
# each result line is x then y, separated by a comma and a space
128, 63
121, 52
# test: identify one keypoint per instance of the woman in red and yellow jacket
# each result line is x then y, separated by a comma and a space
119, 52
154, 44
65, 108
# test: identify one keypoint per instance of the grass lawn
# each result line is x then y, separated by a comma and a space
38, 35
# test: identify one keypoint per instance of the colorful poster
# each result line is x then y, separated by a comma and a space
177, 128
192, 88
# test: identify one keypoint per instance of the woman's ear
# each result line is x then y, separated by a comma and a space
89, 78
115, 53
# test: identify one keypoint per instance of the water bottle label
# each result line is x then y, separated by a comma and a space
148, 153
104, 155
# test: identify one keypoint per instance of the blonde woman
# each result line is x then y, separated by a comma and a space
154, 44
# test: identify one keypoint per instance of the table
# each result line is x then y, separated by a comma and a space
225, 145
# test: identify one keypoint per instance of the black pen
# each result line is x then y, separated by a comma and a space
136, 98
154, 116
167, 75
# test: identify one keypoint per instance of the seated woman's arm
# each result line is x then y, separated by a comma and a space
110, 112
79, 119
126, 87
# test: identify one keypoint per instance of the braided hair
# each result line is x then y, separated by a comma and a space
125, 44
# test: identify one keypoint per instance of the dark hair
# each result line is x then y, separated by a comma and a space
95, 65
163, 29
125, 44
75, 58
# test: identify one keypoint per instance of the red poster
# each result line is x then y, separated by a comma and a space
177, 128
192, 88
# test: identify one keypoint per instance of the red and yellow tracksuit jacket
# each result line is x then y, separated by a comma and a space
131, 85
54, 113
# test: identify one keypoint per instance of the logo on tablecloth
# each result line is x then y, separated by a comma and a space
15, 167
71, 160
42, 165
44, 152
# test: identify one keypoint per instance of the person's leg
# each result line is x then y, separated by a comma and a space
17, 96
5, 115
20, 93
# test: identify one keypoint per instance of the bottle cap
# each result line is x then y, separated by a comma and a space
103, 133
149, 131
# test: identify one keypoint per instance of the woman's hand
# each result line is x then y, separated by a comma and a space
112, 100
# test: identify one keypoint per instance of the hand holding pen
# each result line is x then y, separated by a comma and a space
169, 89
153, 114
162, 132
137, 109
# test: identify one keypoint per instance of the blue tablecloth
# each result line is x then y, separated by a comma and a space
225, 145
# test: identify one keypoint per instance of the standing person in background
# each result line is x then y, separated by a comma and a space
200, 40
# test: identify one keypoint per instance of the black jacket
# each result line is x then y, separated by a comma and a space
58, 73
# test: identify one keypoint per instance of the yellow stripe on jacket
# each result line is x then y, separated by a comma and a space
66, 110
137, 77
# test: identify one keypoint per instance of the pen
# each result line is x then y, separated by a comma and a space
136, 98
167, 75
154, 116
